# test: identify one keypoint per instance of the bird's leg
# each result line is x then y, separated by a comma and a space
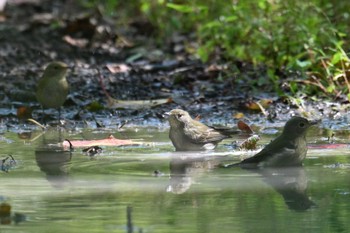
59, 115
43, 115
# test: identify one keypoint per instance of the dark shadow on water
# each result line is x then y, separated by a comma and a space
291, 183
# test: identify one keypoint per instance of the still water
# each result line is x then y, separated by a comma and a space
150, 188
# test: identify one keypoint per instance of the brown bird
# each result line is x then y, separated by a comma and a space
187, 134
288, 149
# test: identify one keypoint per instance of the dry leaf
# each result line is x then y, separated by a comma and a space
238, 115
131, 104
43, 18
118, 68
197, 118
250, 143
264, 103
244, 127
135, 104
23, 113
110, 141
80, 43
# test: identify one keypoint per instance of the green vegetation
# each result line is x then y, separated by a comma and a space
305, 36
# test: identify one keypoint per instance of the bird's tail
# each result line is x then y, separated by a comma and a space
242, 164
231, 165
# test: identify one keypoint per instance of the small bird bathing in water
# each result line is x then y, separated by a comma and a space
288, 149
187, 134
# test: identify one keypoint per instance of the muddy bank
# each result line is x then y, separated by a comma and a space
132, 66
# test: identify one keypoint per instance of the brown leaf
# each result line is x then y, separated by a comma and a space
250, 143
118, 68
110, 141
23, 113
244, 127
256, 105
238, 115
197, 118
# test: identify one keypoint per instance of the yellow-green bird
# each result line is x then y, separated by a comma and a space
288, 149
53, 88
187, 134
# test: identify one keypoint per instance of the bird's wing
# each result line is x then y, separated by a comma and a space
228, 131
203, 134
276, 149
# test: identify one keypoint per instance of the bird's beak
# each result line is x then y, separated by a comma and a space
166, 114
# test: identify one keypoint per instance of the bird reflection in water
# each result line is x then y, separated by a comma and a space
51, 158
291, 183
54, 163
185, 168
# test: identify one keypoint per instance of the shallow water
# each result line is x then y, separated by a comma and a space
119, 190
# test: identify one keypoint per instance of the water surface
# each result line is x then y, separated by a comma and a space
153, 189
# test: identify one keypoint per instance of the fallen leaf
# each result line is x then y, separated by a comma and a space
118, 68
238, 115
215, 67
250, 143
131, 104
123, 42
80, 43
42, 18
2, 18
244, 127
258, 105
110, 141
135, 104
197, 118
23, 113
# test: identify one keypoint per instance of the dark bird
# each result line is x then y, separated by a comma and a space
288, 149
187, 134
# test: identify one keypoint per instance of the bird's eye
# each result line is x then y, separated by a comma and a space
179, 115
302, 125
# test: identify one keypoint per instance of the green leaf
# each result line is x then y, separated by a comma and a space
180, 8
330, 88
303, 64
186, 8
336, 58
